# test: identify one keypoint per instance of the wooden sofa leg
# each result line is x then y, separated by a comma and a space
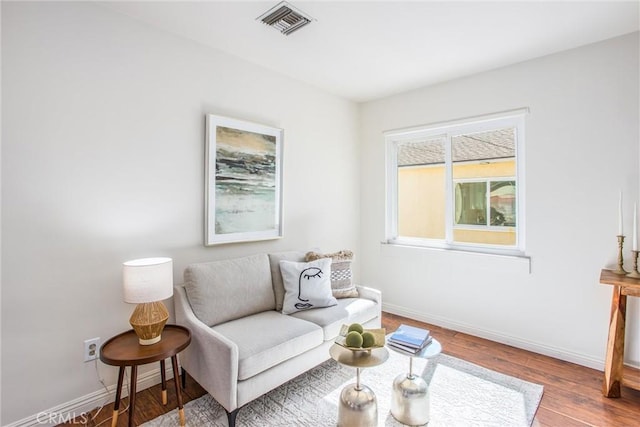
184, 378
231, 417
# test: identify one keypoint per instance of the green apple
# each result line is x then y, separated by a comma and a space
353, 339
368, 339
356, 327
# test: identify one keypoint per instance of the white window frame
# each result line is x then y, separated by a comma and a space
446, 130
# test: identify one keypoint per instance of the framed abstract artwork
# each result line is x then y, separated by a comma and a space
243, 173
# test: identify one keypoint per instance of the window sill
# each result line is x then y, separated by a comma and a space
519, 261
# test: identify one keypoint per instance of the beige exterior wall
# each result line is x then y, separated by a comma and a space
481, 236
421, 201
503, 168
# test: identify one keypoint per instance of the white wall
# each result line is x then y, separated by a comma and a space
582, 137
102, 161
103, 144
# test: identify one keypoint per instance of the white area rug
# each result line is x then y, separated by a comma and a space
461, 394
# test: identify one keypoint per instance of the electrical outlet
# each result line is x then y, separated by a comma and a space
91, 348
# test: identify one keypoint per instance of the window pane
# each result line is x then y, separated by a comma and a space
421, 189
503, 203
477, 159
471, 203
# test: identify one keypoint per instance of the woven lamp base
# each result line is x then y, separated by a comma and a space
148, 320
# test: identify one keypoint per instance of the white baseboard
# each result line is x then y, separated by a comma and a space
77, 407
558, 353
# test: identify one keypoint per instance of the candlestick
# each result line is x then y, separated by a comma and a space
634, 273
620, 215
620, 269
635, 227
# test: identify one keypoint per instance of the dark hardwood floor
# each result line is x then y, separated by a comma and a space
572, 393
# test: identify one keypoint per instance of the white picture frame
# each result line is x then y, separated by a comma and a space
243, 188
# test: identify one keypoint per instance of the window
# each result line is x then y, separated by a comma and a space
458, 185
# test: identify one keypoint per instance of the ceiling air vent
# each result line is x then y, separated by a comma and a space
285, 18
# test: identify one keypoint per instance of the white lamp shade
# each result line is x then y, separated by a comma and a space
147, 280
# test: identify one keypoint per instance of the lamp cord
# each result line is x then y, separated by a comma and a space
101, 380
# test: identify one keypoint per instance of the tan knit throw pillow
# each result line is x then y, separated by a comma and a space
341, 276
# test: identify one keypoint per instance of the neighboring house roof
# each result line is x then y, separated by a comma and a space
496, 144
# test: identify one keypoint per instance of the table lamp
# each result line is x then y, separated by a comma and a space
147, 282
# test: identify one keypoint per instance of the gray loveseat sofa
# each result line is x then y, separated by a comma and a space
242, 345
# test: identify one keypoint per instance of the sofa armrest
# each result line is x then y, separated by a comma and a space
211, 359
370, 293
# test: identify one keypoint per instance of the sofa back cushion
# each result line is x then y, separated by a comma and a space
220, 291
276, 275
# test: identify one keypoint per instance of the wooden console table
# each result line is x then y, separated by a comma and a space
622, 287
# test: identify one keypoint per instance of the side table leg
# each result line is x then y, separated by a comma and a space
615, 345
410, 399
163, 376
176, 380
116, 404
132, 394
358, 406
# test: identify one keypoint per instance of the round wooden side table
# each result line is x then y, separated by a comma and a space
124, 350
358, 405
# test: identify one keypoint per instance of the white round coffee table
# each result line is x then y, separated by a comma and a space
410, 397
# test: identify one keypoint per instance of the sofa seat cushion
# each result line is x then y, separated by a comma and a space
348, 310
269, 338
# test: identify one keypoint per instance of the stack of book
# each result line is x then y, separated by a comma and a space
410, 339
